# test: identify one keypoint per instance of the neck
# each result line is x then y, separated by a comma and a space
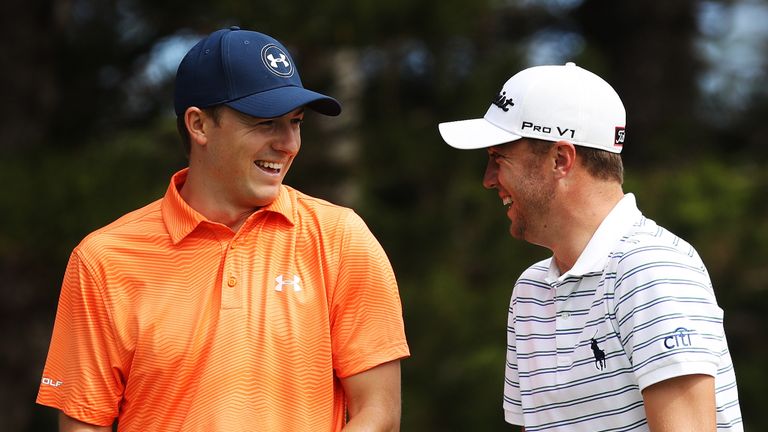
578, 217
211, 204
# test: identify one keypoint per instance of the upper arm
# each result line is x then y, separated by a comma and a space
373, 397
666, 313
84, 368
365, 312
682, 404
68, 424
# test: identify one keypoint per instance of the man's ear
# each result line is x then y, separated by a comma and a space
196, 122
565, 158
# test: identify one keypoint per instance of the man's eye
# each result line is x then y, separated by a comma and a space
498, 158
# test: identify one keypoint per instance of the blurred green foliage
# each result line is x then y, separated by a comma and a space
85, 139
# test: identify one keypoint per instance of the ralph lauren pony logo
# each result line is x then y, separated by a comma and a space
599, 355
502, 102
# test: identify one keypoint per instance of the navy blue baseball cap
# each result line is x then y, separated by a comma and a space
248, 71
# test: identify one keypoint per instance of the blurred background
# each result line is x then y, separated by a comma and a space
87, 133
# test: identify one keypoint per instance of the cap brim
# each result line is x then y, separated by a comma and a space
474, 134
282, 100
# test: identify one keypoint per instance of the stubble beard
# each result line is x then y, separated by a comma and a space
535, 200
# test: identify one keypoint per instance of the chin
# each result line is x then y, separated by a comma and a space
517, 231
265, 196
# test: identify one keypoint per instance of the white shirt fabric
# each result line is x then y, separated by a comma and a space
645, 298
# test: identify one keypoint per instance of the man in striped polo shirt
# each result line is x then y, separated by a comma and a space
234, 302
619, 330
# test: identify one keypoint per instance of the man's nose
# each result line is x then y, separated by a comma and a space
490, 178
288, 139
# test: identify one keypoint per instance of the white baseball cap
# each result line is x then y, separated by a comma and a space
551, 103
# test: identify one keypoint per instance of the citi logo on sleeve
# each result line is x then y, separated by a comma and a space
681, 337
294, 282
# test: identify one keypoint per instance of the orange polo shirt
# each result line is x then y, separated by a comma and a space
170, 322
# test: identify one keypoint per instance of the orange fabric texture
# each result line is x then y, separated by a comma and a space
170, 322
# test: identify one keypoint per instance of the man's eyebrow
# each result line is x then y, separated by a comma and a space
246, 118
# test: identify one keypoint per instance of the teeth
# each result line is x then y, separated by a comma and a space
507, 201
270, 165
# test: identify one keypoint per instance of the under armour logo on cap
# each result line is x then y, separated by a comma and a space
276, 60
273, 61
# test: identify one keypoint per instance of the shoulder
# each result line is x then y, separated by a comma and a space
533, 278
323, 214
651, 257
648, 242
536, 272
319, 222
134, 226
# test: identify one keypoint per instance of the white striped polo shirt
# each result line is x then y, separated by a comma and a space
637, 308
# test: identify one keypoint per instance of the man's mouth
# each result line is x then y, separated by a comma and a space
270, 167
507, 201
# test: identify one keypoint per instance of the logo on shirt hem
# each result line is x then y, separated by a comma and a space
50, 382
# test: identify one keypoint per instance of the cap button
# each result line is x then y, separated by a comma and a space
570, 64
233, 28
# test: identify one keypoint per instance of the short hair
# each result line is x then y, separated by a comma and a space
212, 111
601, 164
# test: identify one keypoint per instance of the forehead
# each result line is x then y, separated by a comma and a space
249, 118
505, 148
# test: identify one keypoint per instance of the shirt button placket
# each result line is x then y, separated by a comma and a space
231, 297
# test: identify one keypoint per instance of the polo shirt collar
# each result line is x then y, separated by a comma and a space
180, 219
611, 229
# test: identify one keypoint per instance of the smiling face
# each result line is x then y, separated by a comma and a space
245, 158
520, 178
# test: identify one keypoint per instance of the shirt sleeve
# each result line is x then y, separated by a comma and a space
81, 376
669, 321
513, 408
366, 314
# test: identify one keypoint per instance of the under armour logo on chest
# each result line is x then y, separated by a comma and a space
281, 282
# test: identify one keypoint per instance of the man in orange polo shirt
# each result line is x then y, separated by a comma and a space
235, 302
